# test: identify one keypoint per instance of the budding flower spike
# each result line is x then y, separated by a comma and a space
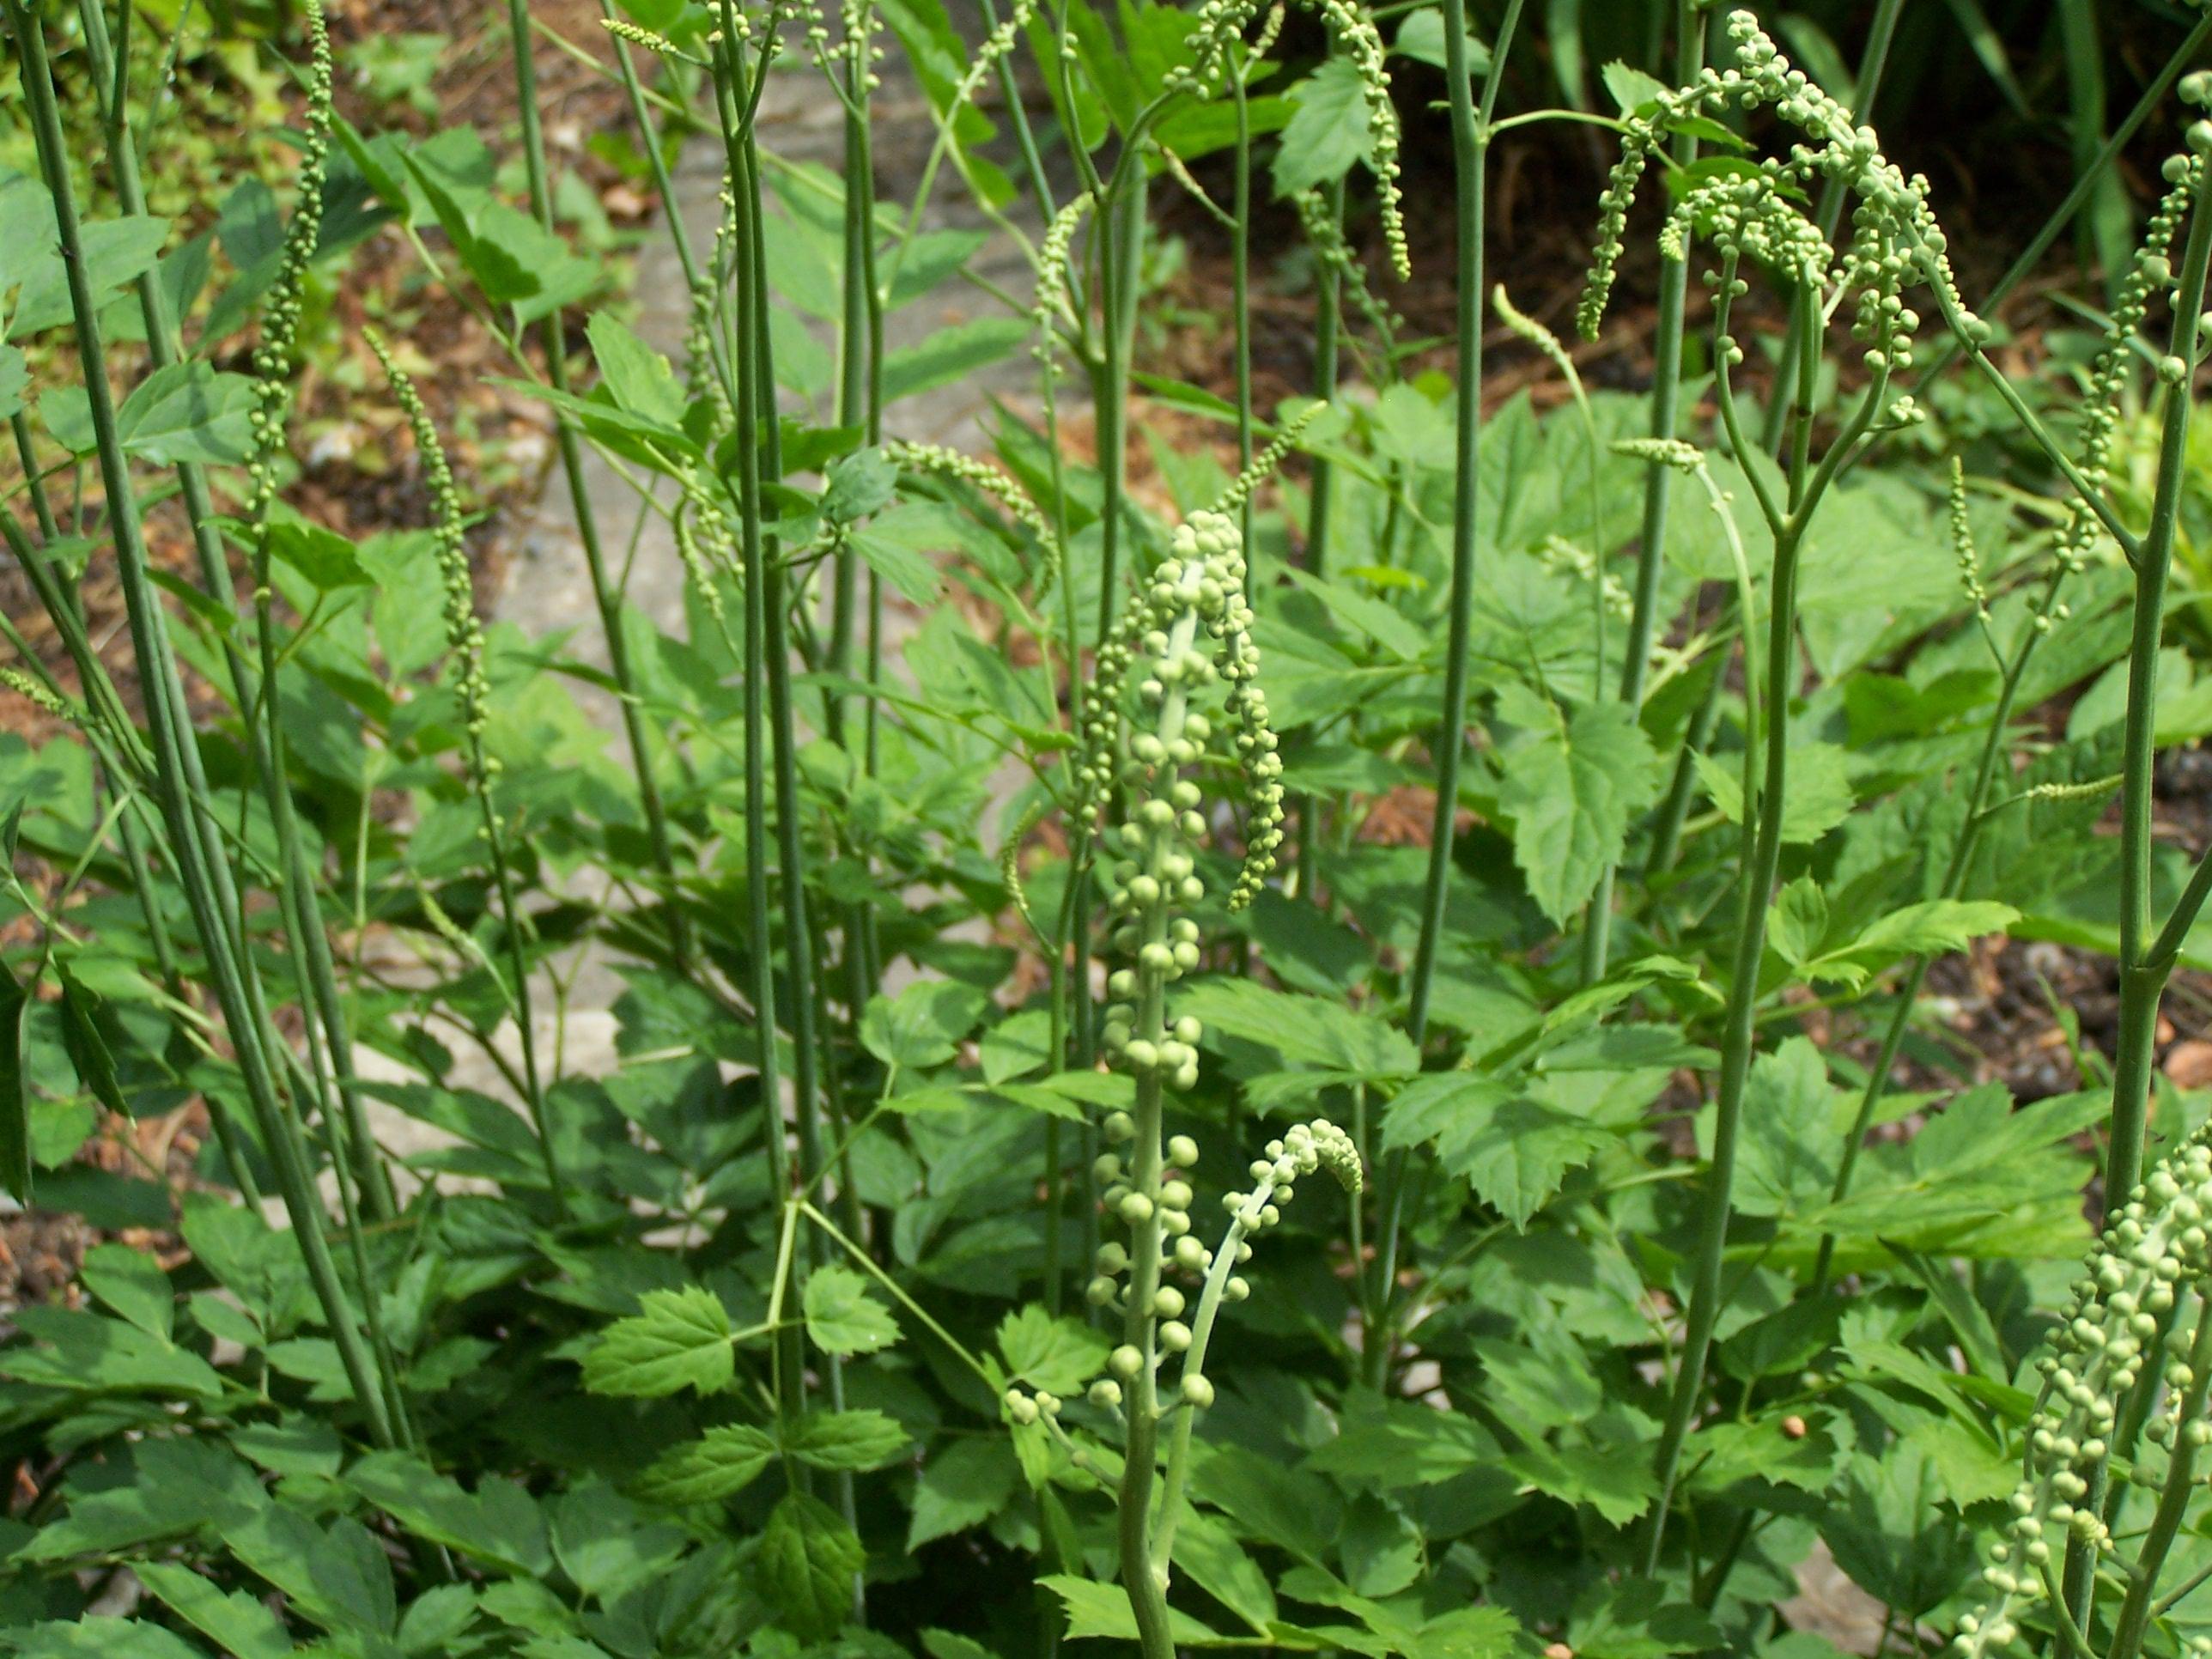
279, 313
2155, 1256
1201, 586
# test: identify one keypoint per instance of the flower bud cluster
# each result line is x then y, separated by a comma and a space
1326, 237
2150, 274
645, 39
705, 539
978, 475
1556, 553
463, 632
1201, 586
1265, 462
1303, 1150
855, 54
1354, 33
1051, 302
1181, 1249
1895, 240
2156, 1249
36, 695
279, 312
1962, 545
1220, 22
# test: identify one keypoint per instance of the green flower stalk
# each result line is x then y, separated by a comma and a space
1186, 632
1355, 35
936, 460
2139, 1313
465, 641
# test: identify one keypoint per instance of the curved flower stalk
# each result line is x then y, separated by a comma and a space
2140, 1307
938, 461
1354, 33
1750, 215
1154, 1326
1247, 480
464, 640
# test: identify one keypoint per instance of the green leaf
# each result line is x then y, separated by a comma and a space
14, 1093
1787, 1163
854, 1440
841, 1317
1102, 1610
497, 1525
964, 1486
922, 1026
1816, 793
115, 251
188, 411
326, 559
1060, 1356
950, 354
97, 1636
1421, 38
239, 1624
1934, 928
14, 381
908, 571
1327, 134
1516, 1153
681, 1338
859, 484
1572, 794
132, 1283
720, 1464
639, 379
807, 1561
1631, 88
91, 1352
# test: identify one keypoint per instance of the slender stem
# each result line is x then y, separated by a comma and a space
359, 1161
2129, 1624
750, 399
2141, 978
1764, 857
1328, 300
605, 595
1471, 154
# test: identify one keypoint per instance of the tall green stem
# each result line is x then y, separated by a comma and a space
2142, 978
607, 596
1470, 129
358, 1160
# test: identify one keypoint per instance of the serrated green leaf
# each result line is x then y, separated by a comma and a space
854, 1440
963, 1485
841, 1317
1572, 792
807, 1561
680, 1339
720, 1464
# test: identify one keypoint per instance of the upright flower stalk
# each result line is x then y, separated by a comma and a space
1186, 631
465, 641
606, 595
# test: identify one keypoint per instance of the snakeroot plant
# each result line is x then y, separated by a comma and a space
699, 1134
